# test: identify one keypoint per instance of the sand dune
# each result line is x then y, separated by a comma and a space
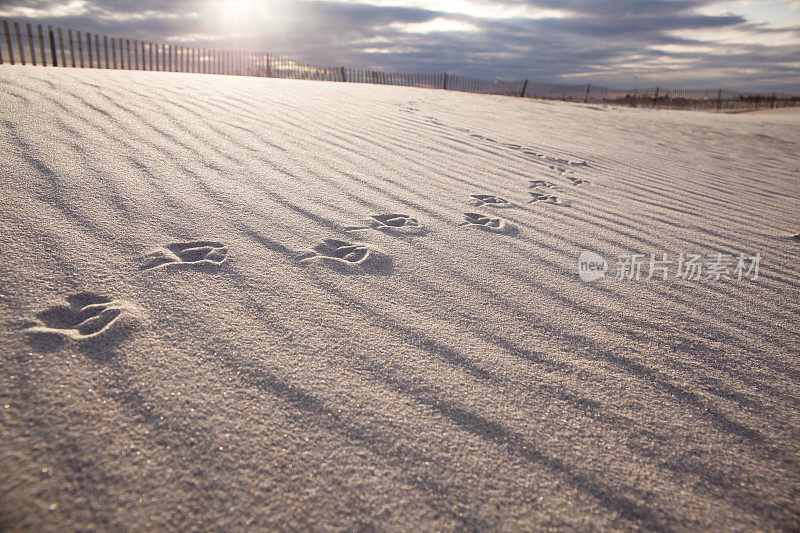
240, 302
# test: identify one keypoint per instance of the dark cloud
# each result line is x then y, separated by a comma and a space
612, 42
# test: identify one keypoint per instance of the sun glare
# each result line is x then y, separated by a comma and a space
236, 16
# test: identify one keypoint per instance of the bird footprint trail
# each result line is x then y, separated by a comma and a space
577, 181
86, 316
193, 253
392, 223
547, 198
489, 200
488, 223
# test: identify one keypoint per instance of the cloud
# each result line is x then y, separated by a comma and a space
735, 44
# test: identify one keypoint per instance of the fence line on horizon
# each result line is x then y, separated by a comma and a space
90, 50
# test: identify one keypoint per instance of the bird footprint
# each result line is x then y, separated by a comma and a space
489, 200
487, 223
391, 223
86, 316
193, 253
345, 252
547, 198
348, 256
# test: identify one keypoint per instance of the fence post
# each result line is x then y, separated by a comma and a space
30, 42
105, 48
524, 87
53, 55
136, 53
772, 106
719, 100
8, 41
444, 81
128, 53
269, 67
344, 75
61, 47
89, 48
19, 44
41, 45
97, 49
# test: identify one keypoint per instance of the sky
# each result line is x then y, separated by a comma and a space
741, 45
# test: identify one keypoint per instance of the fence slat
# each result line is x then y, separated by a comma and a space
30, 43
89, 48
19, 44
8, 42
80, 48
61, 47
53, 56
42, 47
71, 48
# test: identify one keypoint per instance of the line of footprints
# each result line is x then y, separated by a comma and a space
88, 315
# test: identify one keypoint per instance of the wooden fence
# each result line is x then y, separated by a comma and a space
36, 45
